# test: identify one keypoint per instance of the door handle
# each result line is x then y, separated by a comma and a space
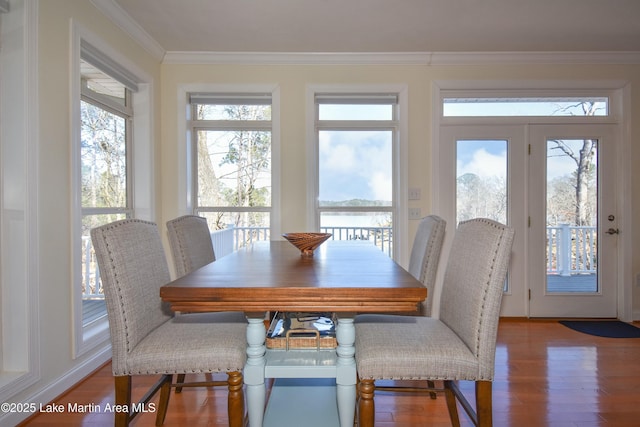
613, 231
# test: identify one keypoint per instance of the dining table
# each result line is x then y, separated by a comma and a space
344, 277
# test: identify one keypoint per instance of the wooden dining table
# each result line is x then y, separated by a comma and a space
342, 277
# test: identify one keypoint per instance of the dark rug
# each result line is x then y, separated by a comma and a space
603, 328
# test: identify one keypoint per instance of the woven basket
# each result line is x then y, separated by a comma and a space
291, 341
299, 331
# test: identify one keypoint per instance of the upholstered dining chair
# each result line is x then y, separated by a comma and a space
425, 255
423, 265
146, 339
191, 248
190, 243
458, 346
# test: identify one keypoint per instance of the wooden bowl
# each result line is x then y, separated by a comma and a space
306, 242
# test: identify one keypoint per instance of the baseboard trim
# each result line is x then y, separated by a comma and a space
59, 386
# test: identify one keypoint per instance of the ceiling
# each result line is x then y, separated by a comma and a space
369, 26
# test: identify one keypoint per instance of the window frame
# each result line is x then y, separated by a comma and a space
124, 112
139, 169
184, 137
399, 127
232, 96
617, 93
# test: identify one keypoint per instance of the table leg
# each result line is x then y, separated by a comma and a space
254, 370
346, 377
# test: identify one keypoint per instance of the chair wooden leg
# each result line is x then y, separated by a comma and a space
163, 403
180, 380
236, 400
431, 384
366, 405
123, 399
451, 403
484, 405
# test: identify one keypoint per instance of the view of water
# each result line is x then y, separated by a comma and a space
370, 219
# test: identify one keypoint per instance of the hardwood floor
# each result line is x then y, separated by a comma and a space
546, 375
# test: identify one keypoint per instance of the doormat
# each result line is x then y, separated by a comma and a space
603, 328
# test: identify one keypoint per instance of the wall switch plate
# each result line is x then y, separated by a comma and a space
415, 213
414, 194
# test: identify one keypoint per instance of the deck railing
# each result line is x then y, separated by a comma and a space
91, 286
379, 236
572, 250
232, 238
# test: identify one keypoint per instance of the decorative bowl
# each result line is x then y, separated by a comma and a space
306, 242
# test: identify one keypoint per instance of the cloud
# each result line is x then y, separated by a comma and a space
355, 165
484, 164
381, 186
340, 158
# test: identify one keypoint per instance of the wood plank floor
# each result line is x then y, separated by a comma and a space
546, 375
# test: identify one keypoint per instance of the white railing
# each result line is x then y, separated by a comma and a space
232, 238
379, 236
223, 242
572, 250
91, 286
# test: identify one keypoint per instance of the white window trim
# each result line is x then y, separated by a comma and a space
400, 159
619, 93
87, 338
20, 359
185, 176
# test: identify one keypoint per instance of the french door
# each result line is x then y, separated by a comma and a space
573, 228
528, 176
483, 175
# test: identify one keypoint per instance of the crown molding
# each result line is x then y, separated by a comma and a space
520, 58
296, 58
400, 58
123, 20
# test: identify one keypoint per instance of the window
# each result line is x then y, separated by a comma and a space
356, 140
525, 106
106, 194
231, 137
105, 173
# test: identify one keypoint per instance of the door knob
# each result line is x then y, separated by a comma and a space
613, 231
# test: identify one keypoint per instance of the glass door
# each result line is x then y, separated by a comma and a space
572, 232
483, 174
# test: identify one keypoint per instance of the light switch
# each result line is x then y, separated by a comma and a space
414, 194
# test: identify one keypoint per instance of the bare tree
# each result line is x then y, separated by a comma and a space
248, 152
479, 196
103, 157
584, 158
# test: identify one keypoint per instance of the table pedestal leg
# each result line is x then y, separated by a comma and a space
254, 370
346, 377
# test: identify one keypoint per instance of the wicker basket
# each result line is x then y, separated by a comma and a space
282, 335
291, 341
